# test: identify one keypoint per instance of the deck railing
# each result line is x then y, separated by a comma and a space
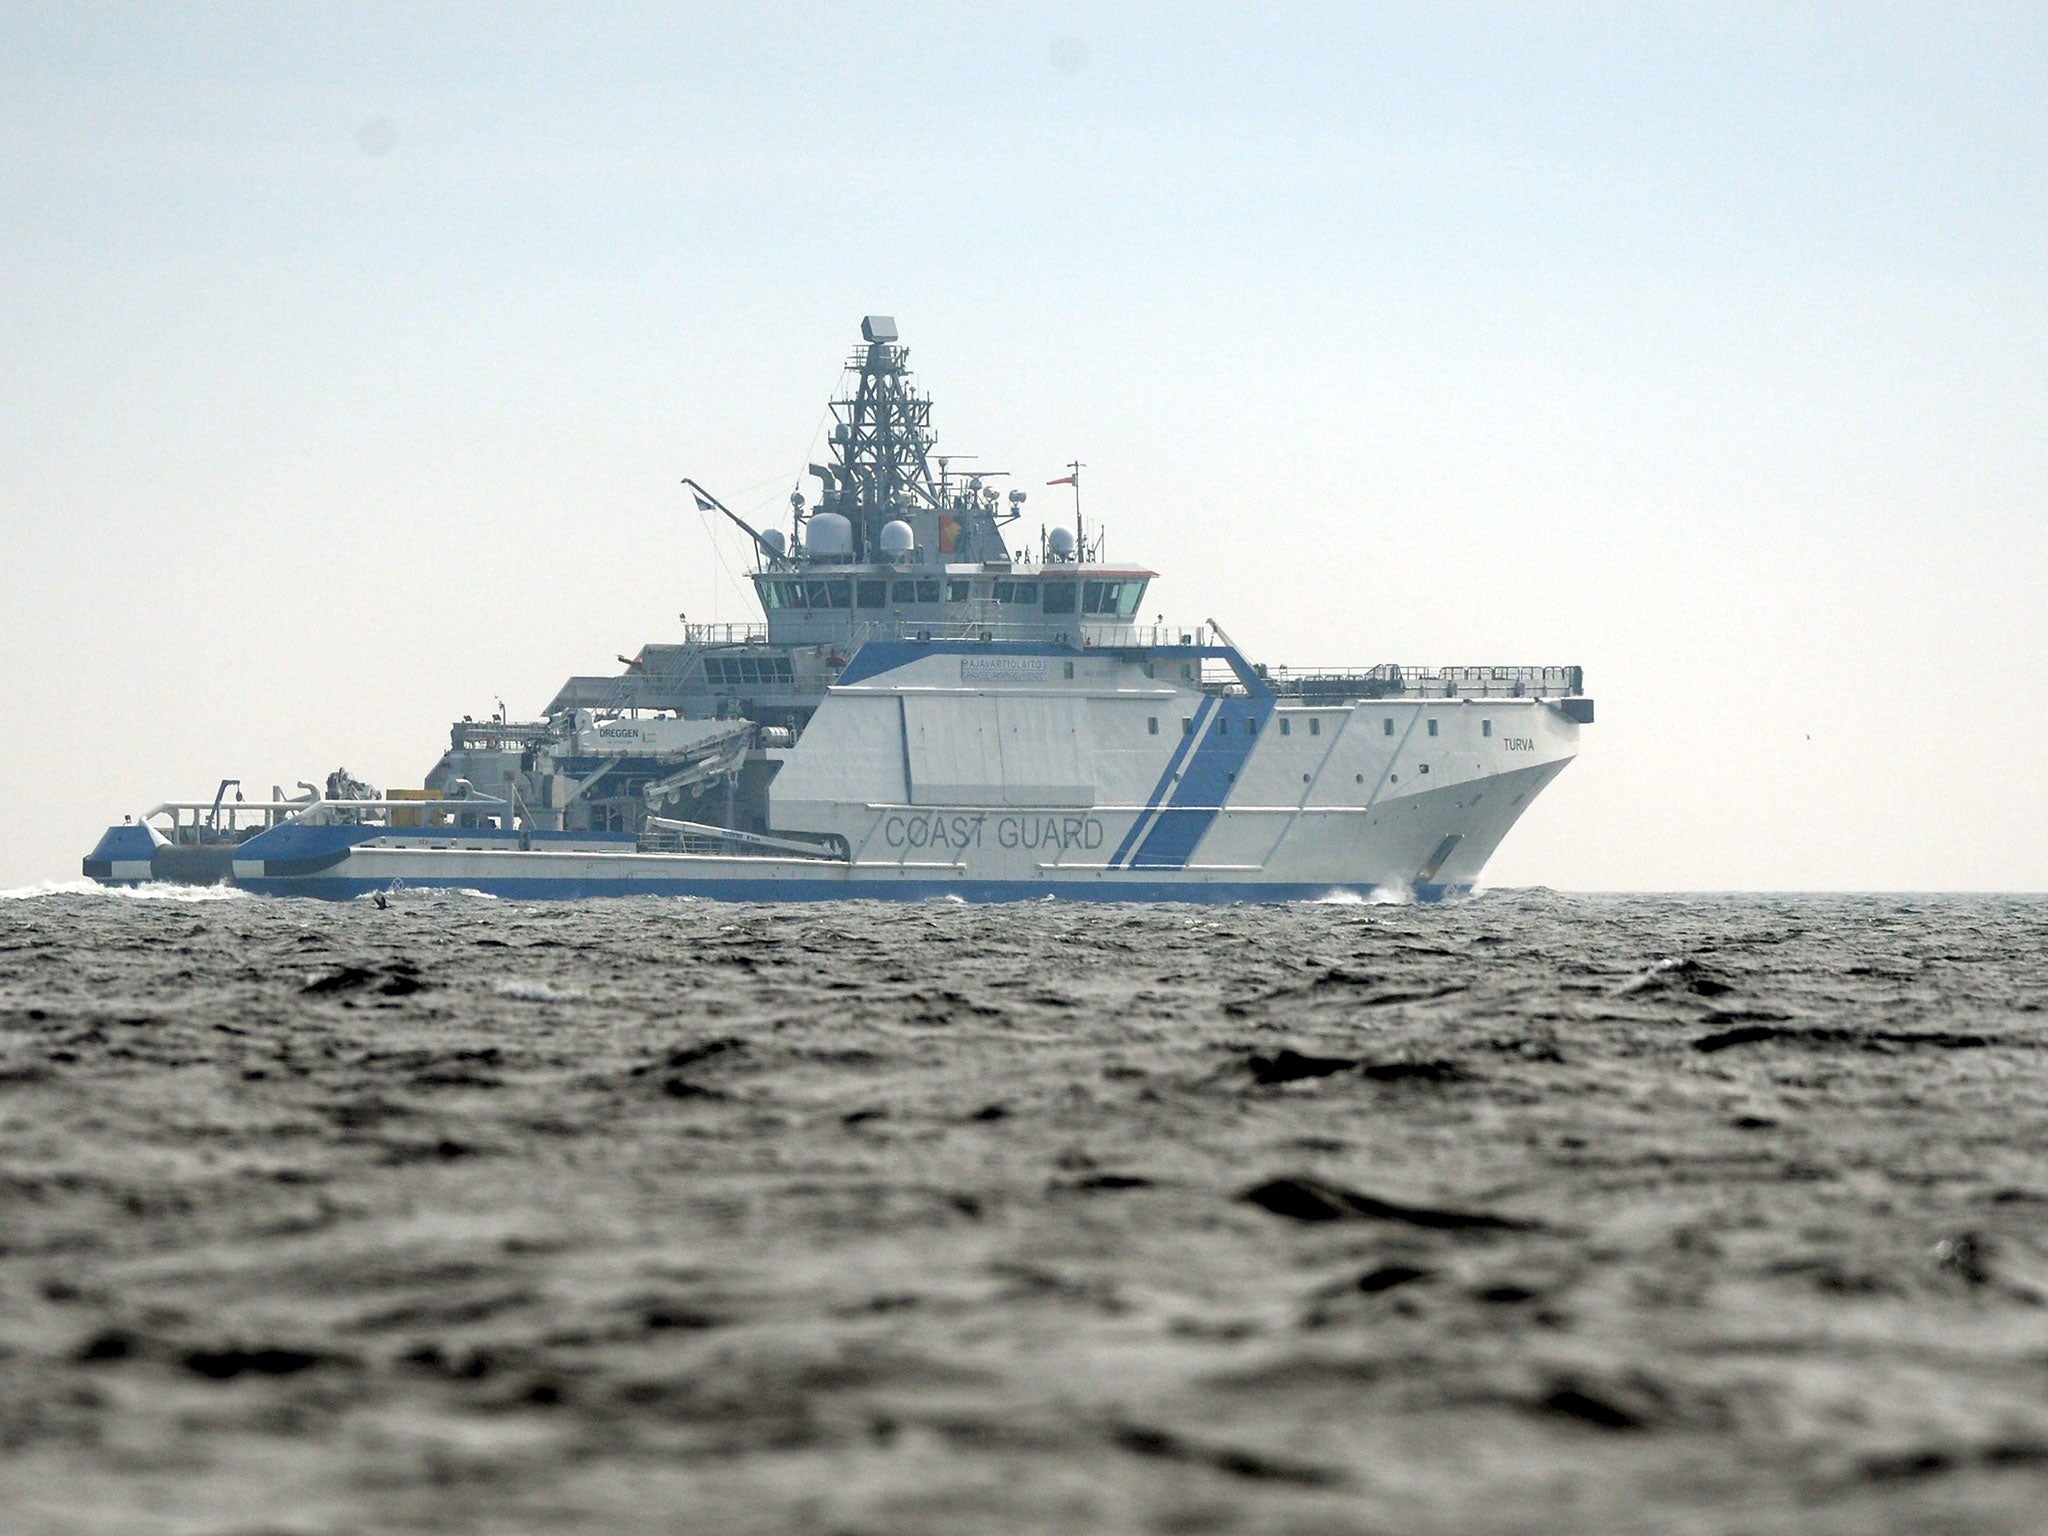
1086, 630
1461, 682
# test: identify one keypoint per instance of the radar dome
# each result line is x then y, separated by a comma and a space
897, 539
828, 534
773, 541
1061, 542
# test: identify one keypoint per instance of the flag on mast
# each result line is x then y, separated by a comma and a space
704, 503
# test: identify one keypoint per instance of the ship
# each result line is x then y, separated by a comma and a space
930, 707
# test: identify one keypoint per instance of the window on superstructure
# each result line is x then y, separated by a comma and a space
872, 594
771, 594
1187, 726
1027, 592
928, 589
1432, 726
1059, 597
1152, 726
815, 595
1389, 725
903, 592
793, 594
1006, 592
956, 591
839, 594
1286, 726
1111, 599
1315, 727
1486, 727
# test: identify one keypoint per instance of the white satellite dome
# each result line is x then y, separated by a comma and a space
773, 541
828, 534
897, 539
1061, 542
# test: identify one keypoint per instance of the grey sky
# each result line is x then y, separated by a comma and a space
352, 360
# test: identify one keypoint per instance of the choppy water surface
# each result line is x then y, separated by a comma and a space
1530, 1213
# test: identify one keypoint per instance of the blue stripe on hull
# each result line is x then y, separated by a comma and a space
1211, 773
1197, 722
343, 888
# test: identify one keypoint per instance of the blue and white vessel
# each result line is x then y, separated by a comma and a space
928, 710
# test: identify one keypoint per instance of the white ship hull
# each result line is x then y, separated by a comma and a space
1312, 855
919, 778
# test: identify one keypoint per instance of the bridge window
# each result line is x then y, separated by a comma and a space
872, 594
771, 594
956, 591
903, 592
928, 589
1059, 597
1112, 599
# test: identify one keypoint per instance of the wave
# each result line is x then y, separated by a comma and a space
1379, 896
154, 890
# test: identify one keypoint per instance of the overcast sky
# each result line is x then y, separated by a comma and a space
352, 356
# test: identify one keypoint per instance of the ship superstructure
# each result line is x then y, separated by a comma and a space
925, 710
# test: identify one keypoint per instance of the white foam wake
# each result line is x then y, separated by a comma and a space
1381, 896
154, 890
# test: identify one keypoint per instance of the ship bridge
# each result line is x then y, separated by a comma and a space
1063, 604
